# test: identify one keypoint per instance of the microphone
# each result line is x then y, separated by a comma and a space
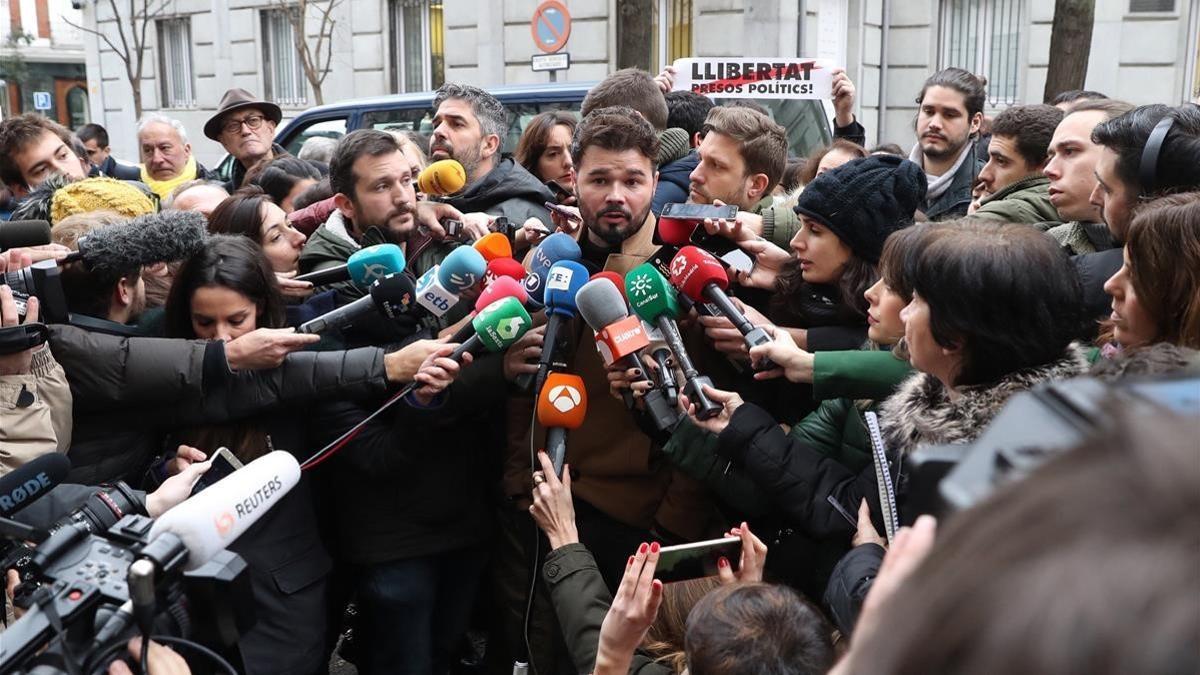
438, 289
503, 267
391, 296
29, 482
701, 277
556, 247
153, 238
563, 281
654, 300
443, 177
496, 327
673, 232
620, 338
561, 406
504, 287
364, 267
18, 233
208, 522
493, 246
617, 280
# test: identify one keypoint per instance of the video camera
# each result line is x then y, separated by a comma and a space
1034, 427
42, 279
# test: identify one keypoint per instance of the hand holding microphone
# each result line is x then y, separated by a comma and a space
442, 178
437, 372
562, 405
391, 296
701, 277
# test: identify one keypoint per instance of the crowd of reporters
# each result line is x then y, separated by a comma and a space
404, 315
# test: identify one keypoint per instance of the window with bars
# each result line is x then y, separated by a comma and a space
417, 44
984, 37
283, 73
672, 32
175, 63
1136, 6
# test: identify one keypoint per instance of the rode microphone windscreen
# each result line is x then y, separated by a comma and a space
19, 233
210, 521
462, 269
601, 303
692, 269
32, 480
156, 237
443, 177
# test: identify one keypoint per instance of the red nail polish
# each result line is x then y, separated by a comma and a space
643, 548
654, 547
630, 561
722, 562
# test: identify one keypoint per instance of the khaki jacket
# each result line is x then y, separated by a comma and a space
29, 428
620, 470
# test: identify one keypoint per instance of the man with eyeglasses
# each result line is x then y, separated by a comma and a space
246, 127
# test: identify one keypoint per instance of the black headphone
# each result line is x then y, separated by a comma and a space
1148, 169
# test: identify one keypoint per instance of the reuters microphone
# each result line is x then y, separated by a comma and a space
493, 246
654, 300
208, 522
438, 289
364, 267
701, 277
31, 481
443, 177
561, 406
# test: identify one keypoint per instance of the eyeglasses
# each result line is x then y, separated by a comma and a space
234, 126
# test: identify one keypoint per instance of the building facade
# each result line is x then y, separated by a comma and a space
42, 60
1142, 50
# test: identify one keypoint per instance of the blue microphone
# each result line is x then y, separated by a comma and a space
364, 267
563, 281
31, 481
556, 247
438, 289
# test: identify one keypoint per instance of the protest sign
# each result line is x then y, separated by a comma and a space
755, 77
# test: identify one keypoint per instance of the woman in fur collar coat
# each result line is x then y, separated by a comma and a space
993, 313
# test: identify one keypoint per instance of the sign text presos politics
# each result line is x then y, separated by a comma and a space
755, 78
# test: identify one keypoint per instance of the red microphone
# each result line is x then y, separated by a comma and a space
701, 277
561, 406
616, 279
503, 267
675, 232
503, 287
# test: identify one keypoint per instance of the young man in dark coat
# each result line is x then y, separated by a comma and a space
948, 120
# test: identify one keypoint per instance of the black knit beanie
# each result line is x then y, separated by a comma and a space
865, 200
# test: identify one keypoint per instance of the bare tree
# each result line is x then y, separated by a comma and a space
132, 38
1070, 45
635, 33
317, 58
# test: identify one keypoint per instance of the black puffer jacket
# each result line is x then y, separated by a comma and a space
507, 190
128, 392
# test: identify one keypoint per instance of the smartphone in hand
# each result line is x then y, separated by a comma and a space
223, 463
697, 559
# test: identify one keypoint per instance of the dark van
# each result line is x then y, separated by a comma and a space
807, 121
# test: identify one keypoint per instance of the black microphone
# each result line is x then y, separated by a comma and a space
18, 233
153, 238
29, 482
391, 296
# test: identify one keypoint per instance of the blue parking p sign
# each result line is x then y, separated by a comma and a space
41, 100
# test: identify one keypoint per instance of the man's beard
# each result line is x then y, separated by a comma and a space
613, 234
952, 149
470, 157
709, 197
396, 233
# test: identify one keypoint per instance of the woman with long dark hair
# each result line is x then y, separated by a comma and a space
285, 179
545, 148
252, 213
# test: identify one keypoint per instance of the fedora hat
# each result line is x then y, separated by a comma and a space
234, 100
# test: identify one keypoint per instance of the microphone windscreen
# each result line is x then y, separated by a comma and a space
600, 303
504, 267
461, 269
394, 295
616, 279
373, 263
18, 233
563, 401
558, 246
210, 521
503, 287
443, 177
493, 246
501, 323
563, 282
675, 232
27, 483
649, 294
692, 269
153, 238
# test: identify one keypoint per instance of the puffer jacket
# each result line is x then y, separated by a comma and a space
507, 190
1024, 201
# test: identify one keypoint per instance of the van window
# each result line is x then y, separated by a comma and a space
420, 120
807, 128
329, 128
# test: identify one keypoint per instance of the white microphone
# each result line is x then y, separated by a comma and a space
208, 522
432, 295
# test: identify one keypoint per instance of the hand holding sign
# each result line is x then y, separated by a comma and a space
756, 78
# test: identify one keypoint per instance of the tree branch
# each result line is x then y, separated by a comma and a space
97, 33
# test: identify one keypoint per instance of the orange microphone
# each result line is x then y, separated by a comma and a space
493, 245
561, 406
443, 177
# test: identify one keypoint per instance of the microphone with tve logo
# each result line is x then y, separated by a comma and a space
443, 177
31, 481
391, 296
211, 520
701, 277
556, 247
438, 289
364, 267
561, 406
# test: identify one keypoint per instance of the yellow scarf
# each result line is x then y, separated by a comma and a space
163, 188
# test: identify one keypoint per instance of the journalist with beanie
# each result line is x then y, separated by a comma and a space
845, 214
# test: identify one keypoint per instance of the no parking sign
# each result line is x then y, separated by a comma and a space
551, 26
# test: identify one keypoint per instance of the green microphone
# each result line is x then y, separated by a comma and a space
496, 327
653, 300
